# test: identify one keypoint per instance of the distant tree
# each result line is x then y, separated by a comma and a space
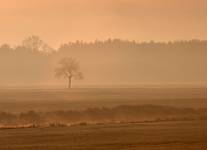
68, 68
5, 47
34, 43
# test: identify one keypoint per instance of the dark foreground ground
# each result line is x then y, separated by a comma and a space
146, 136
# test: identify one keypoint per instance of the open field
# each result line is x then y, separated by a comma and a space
49, 100
170, 134
146, 136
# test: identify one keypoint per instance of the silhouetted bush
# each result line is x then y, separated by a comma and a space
119, 114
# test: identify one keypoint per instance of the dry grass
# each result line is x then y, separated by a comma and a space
145, 136
165, 130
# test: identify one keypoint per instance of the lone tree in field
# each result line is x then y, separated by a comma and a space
68, 68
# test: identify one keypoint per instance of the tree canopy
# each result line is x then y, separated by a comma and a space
68, 68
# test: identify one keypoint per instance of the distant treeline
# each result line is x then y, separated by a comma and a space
119, 114
113, 61
34, 44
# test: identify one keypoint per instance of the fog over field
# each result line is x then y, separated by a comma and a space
107, 75
110, 63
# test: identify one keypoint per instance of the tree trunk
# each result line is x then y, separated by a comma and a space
69, 82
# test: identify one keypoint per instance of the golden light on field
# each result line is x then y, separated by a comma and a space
103, 74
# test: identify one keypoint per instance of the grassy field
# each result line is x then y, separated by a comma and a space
145, 136
175, 135
48, 100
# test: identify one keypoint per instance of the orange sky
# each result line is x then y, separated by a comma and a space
59, 21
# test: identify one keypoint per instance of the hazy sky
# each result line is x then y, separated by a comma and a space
59, 21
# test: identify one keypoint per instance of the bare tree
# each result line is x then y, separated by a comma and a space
34, 43
68, 68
